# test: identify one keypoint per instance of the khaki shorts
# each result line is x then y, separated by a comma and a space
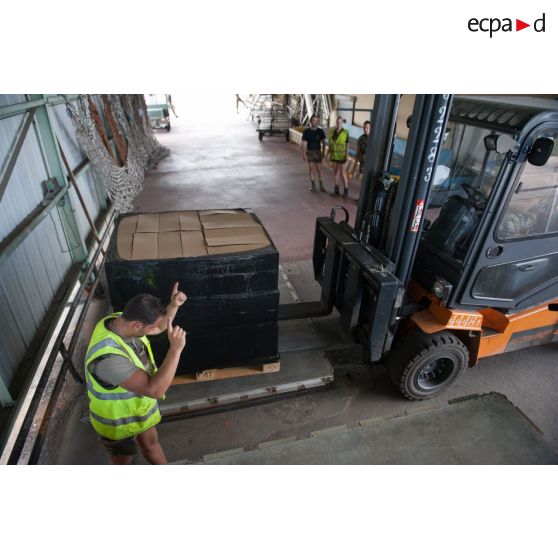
127, 446
314, 156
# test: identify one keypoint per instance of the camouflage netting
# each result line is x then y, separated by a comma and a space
137, 150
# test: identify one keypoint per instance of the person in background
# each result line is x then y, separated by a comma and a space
123, 382
313, 145
338, 151
171, 106
238, 101
362, 144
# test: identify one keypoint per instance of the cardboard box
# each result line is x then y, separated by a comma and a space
235, 236
175, 234
227, 220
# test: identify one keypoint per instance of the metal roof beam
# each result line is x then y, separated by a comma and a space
19, 108
14, 152
25, 227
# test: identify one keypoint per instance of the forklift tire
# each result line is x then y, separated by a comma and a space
168, 127
287, 136
260, 136
422, 365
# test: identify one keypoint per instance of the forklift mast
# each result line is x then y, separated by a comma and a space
405, 220
364, 270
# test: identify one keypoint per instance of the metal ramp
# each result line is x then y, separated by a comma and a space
485, 429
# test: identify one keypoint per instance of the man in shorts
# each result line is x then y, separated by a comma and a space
313, 144
123, 382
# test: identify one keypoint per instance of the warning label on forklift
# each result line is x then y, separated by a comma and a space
419, 208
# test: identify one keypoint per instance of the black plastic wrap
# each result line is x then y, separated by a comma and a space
232, 307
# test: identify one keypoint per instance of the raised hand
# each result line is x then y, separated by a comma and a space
177, 336
178, 298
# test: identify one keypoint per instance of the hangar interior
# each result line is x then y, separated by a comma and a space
72, 165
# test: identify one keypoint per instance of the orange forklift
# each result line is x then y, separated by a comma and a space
454, 253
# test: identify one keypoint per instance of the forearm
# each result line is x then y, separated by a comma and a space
160, 383
171, 311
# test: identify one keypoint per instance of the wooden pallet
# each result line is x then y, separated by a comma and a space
224, 373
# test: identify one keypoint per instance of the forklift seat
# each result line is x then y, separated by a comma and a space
454, 226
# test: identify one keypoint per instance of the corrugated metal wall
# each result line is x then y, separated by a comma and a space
32, 274
6, 100
90, 186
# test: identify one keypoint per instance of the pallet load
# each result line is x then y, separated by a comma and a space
224, 261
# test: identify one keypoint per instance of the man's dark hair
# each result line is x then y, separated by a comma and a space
144, 308
366, 122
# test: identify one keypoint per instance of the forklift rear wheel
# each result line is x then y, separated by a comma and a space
168, 127
260, 136
423, 365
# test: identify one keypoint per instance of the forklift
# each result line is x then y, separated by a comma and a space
453, 256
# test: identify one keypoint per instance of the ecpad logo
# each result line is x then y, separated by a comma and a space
494, 24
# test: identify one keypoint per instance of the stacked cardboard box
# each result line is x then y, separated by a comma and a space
223, 260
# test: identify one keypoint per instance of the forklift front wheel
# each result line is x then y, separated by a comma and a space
260, 136
422, 365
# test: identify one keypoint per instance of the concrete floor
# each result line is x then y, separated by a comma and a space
222, 164
486, 430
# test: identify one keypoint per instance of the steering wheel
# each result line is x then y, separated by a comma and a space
475, 195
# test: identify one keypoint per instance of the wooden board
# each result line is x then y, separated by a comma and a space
224, 373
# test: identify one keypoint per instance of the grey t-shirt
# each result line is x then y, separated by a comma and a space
115, 369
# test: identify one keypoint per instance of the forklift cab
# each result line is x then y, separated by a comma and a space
454, 258
491, 224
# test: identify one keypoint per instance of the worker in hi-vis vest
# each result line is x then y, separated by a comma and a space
123, 382
338, 153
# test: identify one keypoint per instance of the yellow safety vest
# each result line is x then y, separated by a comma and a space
118, 413
338, 147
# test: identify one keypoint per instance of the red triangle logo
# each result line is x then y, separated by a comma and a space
519, 25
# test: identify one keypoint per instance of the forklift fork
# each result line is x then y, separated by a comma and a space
357, 280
